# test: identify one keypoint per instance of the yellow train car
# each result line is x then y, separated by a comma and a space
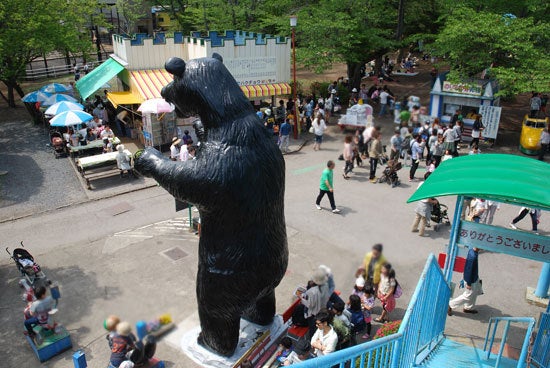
531, 130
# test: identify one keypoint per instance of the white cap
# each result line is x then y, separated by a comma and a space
354, 90
268, 112
360, 282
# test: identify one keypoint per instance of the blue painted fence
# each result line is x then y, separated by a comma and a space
424, 321
421, 330
541, 348
490, 338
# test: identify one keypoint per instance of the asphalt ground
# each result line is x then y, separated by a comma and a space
108, 255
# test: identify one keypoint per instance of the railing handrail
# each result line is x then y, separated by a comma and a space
488, 346
513, 319
354, 351
419, 286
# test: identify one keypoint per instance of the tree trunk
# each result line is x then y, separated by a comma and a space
13, 86
354, 74
4, 97
400, 20
11, 99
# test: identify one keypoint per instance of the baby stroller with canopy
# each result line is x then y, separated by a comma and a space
56, 142
28, 268
439, 215
389, 175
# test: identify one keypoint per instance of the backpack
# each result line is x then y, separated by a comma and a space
298, 316
358, 321
398, 290
406, 144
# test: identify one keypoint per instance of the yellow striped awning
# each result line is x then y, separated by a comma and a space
149, 83
267, 90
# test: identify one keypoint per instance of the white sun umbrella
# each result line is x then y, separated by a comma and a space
156, 106
69, 118
63, 106
55, 88
53, 99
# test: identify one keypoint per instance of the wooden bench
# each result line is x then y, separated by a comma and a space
104, 172
294, 332
98, 167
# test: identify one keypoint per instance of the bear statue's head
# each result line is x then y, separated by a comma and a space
206, 88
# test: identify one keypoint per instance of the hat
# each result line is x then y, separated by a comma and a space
176, 141
123, 328
268, 112
302, 347
354, 90
320, 277
333, 91
126, 364
360, 282
120, 148
397, 130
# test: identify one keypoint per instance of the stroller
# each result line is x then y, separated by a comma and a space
29, 269
439, 215
56, 142
389, 175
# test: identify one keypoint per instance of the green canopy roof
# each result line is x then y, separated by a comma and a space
93, 81
504, 178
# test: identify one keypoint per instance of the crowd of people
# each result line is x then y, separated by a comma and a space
333, 323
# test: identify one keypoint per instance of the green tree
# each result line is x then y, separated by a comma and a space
33, 28
515, 49
349, 31
131, 11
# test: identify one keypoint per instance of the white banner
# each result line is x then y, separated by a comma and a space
491, 120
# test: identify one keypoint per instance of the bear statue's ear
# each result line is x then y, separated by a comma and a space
217, 57
175, 66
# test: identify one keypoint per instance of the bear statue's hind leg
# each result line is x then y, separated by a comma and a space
220, 335
263, 310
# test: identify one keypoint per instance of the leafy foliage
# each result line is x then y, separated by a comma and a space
32, 28
515, 49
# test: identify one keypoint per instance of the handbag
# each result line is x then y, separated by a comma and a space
398, 290
311, 130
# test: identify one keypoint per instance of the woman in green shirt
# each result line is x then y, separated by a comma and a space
326, 187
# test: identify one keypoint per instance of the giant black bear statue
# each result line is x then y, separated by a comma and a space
237, 182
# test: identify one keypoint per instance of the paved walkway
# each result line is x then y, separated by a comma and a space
112, 256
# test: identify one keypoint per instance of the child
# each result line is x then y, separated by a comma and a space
358, 323
447, 156
386, 288
285, 348
367, 302
430, 168
367, 305
107, 146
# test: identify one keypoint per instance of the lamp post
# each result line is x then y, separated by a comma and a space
293, 24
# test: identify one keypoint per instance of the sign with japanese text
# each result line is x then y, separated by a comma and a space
465, 89
500, 240
253, 71
491, 120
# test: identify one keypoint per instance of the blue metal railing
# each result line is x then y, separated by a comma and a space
372, 354
420, 331
424, 321
541, 348
490, 338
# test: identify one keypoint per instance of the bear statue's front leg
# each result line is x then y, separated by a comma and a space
181, 179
